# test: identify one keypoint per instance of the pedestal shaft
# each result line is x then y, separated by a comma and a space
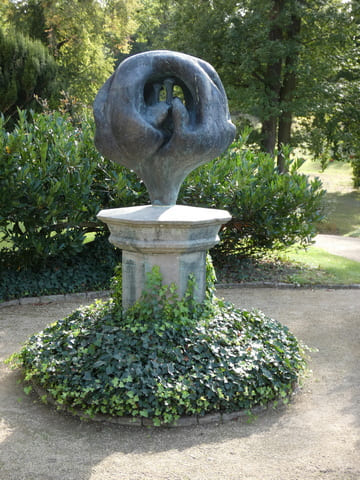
174, 238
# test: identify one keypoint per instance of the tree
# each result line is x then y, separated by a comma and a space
26, 69
333, 130
84, 36
274, 56
4, 8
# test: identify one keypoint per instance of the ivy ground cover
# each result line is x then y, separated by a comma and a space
166, 357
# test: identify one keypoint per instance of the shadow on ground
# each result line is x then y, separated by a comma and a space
343, 214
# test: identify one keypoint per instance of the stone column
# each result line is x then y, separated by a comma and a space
175, 238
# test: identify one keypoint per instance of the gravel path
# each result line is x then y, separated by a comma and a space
317, 436
348, 247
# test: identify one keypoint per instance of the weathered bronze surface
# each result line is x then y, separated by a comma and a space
162, 114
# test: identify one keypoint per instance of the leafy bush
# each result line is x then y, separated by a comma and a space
53, 182
89, 270
164, 358
269, 209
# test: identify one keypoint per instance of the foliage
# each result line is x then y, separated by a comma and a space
164, 358
116, 282
53, 182
4, 5
332, 126
26, 69
269, 209
277, 58
84, 36
89, 270
116, 286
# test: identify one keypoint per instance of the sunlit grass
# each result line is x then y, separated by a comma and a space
343, 200
337, 177
321, 267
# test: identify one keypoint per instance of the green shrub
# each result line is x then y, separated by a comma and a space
164, 358
89, 270
53, 182
26, 69
269, 209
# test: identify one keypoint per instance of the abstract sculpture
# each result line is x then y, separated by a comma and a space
162, 114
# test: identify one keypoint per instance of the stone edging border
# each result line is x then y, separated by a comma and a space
70, 297
44, 299
184, 421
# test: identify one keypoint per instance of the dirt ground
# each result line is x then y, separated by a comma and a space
348, 247
315, 437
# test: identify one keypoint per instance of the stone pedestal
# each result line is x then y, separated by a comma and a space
175, 238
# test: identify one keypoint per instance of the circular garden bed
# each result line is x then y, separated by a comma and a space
163, 359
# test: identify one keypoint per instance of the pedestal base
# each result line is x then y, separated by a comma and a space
175, 268
175, 238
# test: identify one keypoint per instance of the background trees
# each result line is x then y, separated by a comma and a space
280, 60
83, 36
333, 128
290, 67
26, 69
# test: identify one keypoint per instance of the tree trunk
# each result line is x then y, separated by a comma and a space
288, 90
273, 82
268, 134
285, 118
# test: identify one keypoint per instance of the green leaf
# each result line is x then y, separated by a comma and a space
28, 389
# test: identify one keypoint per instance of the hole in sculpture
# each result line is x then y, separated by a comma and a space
179, 93
165, 90
162, 91
162, 95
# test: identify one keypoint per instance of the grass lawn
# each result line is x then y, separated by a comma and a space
318, 266
343, 200
343, 219
313, 266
